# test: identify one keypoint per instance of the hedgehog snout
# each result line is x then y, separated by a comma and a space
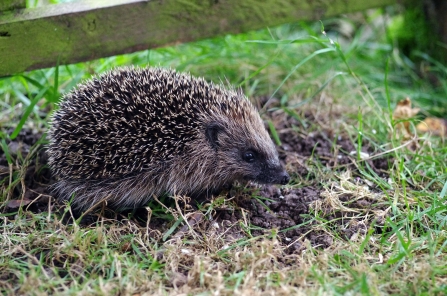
284, 179
279, 176
271, 175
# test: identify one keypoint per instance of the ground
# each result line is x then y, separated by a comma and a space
281, 208
284, 214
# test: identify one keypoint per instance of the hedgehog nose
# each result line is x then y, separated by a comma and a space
285, 179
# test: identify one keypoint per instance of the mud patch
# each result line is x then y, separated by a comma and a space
285, 210
321, 147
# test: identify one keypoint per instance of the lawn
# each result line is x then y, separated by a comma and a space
364, 212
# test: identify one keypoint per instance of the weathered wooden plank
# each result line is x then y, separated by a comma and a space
86, 30
6, 5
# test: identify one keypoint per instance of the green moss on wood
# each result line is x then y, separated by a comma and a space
86, 30
6, 5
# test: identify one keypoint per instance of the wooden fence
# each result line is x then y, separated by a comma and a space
32, 38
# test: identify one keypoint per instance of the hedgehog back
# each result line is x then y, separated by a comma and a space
121, 121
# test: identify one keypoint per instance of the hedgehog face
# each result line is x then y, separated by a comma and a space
262, 169
246, 154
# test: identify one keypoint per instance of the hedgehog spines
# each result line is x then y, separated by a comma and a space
133, 133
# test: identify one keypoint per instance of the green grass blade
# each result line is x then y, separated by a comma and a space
274, 133
28, 111
305, 60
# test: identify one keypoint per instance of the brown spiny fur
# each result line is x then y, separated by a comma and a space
131, 133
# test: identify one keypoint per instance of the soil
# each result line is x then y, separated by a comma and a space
288, 209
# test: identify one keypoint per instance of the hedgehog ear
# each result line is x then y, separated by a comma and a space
212, 134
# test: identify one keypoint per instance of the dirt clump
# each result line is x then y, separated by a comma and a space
286, 210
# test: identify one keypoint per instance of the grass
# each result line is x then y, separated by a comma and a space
371, 232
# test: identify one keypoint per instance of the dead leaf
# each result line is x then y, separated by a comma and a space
436, 126
126, 247
17, 203
404, 112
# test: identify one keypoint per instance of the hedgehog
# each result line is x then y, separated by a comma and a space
130, 134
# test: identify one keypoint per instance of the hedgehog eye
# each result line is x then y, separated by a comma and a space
249, 156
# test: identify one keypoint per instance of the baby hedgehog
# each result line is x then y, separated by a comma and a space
131, 134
